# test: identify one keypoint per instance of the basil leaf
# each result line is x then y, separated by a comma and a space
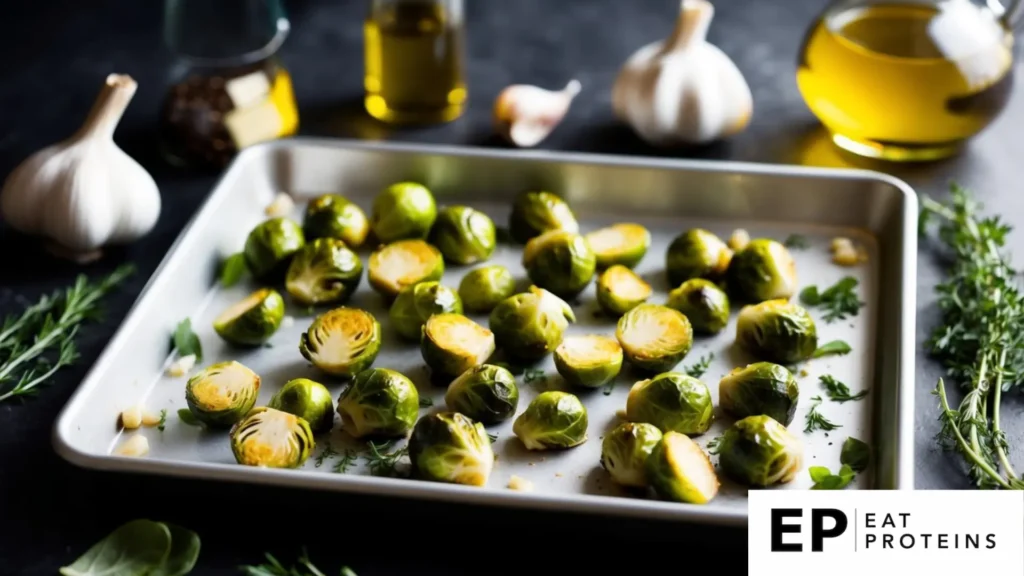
137, 547
856, 454
819, 473
186, 341
183, 554
837, 347
186, 416
233, 269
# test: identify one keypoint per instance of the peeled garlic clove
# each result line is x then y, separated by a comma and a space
525, 115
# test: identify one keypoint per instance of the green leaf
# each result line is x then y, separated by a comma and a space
186, 416
186, 342
233, 270
810, 296
824, 479
837, 347
819, 473
137, 547
183, 554
856, 454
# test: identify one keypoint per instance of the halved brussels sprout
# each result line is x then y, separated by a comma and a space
530, 325
308, 400
464, 235
221, 394
486, 393
414, 304
451, 447
759, 451
777, 331
624, 244
625, 450
334, 216
619, 290
403, 263
534, 213
270, 438
760, 388
270, 246
405, 210
560, 262
342, 342
325, 271
379, 403
680, 471
763, 270
252, 321
703, 303
483, 288
696, 253
654, 337
589, 361
453, 343
553, 420
672, 401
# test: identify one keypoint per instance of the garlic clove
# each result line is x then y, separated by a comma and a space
525, 115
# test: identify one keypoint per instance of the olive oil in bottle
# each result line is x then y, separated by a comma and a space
906, 81
414, 61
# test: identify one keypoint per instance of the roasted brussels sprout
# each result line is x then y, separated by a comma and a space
530, 325
763, 270
624, 244
625, 450
696, 253
654, 337
777, 331
452, 344
759, 451
619, 290
485, 393
760, 388
483, 288
325, 271
588, 361
308, 400
552, 420
703, 303
379, 403
560, 262
534, 213
342, 342
252, 321
416, 303
270, 246
464, 235
221, 394
405, 210
270, 438
680, 471
451, 447
403, 263
334, 216
671, 401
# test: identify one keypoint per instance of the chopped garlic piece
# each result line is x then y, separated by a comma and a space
182, 366
135, 446
739, 239
840, 243
287, 321
520, 484
131, 418
804, 373
844, 253
281, 206
150, 418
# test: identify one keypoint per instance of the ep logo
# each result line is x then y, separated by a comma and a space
824, 523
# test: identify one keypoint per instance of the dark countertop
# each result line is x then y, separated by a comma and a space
55, 60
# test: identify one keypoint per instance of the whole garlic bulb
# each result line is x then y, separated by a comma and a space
683, 90
84, 193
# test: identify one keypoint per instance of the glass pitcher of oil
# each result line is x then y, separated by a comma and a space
414, 52
907, 80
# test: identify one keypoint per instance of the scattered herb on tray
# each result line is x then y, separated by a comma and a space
533, 375
493, 437
856, 454
325, 454
162, 424
347, 460
39, 341
838, 391
839, 300
380, 461
273, 567
233, 269
186, 342
824, 479
139, 547
837, 347
713, 445
797, 242
425, 402
816, 421
700, 366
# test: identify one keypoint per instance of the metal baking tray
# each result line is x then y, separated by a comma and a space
668, 196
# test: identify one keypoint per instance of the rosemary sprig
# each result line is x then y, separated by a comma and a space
50, 325
700, 366
838, 391
380, 461
326, 454
273, 567
347, 460
816, 420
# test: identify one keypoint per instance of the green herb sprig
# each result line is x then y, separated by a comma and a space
817, 421
186, 342
380, 461
273, 567
839, 300
797, 242
838, 391
698, 368
836, 347
824, 479
233, 270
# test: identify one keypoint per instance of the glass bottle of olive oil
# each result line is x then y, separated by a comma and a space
415, 61
906, 81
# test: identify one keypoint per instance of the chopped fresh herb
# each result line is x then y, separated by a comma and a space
713, 445
493, 437
856, 454
327, 452
815, 420
533, 375
347, 460
380, 461
187, 417
425, 402
186, 342
272, 567
838, 391
824, 479
837, 347
796, 241
233, 269
701, 366
163, 420
839, 301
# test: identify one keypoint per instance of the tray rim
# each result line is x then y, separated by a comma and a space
578, 503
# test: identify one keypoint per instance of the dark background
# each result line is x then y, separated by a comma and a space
56, 55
